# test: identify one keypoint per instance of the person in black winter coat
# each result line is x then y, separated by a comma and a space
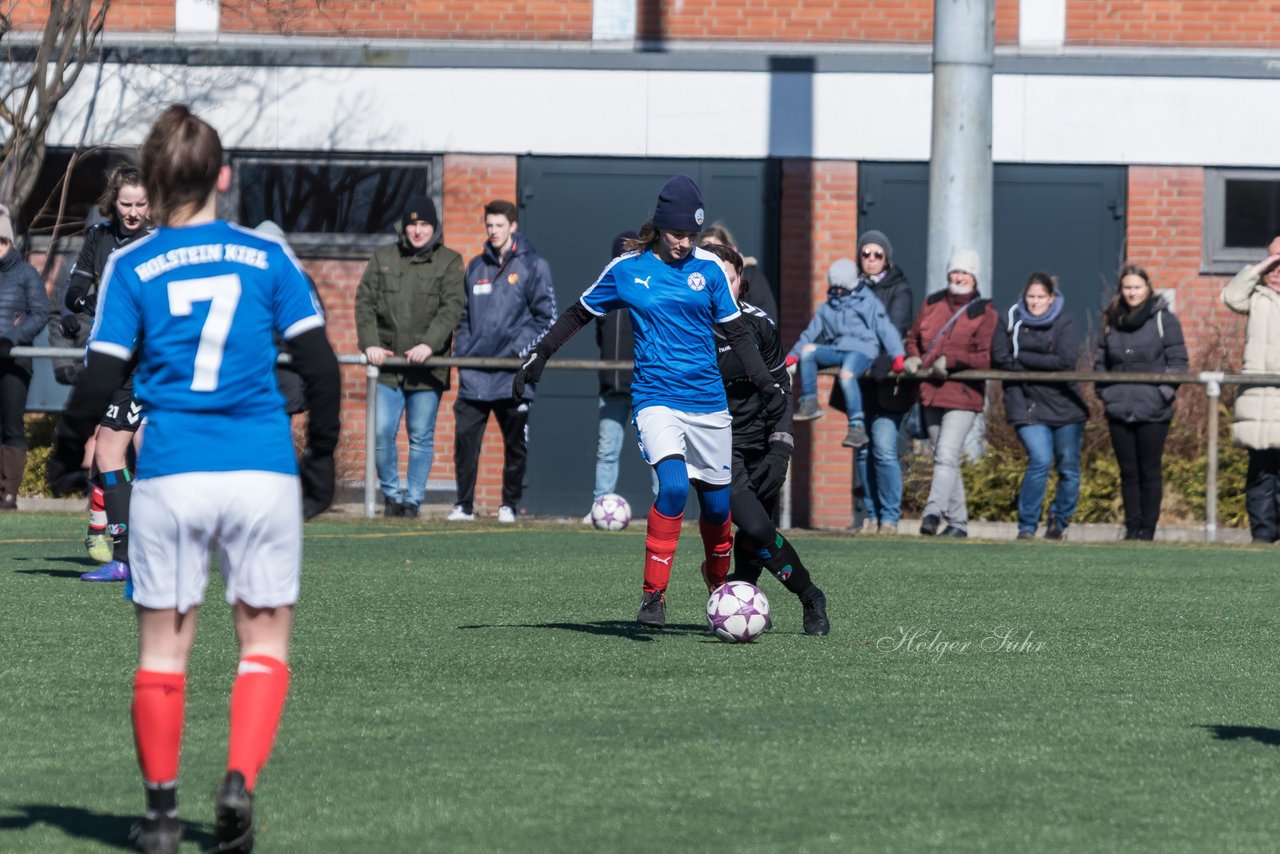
125, 205
1038, 335
509, 305
24, 307
884, 399
1139, 335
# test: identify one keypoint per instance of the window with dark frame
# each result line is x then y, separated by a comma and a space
338, 201
87, 181
1241, 216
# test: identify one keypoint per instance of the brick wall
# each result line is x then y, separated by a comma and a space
414, 19
818, 198
1203, 23
1164, 222
137, 16
906, 21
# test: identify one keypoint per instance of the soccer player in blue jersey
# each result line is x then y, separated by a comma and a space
197, 303
677, 295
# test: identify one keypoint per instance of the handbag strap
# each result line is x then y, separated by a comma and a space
943, 331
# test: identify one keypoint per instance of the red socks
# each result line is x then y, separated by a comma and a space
257, 699
158, 702
97, 509
717, 543
660, 549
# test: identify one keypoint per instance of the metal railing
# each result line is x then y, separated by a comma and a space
1213, 381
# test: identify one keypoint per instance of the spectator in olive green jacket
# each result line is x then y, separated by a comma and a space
407, 304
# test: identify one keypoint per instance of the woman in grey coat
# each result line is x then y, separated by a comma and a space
24, 310
1139, 335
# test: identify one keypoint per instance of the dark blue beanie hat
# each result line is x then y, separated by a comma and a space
680, 206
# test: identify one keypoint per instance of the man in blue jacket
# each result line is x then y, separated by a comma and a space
510, 304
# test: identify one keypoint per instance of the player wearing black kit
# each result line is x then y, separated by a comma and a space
761, 450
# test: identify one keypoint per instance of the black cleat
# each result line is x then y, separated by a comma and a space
929, 525
160, 834
815, 615
653, 610
952, 531
233, 816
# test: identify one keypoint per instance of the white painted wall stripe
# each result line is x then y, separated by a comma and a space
1042, 23
836, 116
196, 16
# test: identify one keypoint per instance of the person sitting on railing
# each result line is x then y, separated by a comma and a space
1038, 335
850, 329
952, 332
407, 304
1139, 335
1255, 291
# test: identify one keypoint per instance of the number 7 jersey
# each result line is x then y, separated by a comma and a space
199, 306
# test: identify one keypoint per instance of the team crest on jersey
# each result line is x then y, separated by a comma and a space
697, 281
513, 278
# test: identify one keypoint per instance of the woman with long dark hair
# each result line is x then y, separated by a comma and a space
1139, 335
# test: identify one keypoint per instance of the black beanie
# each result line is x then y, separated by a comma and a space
420, 209
680, 206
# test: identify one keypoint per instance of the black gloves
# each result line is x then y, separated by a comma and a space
318, 477
529, 372
70, 326
775, 403
771, 473
76, 298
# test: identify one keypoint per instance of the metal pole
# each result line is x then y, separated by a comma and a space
960, 171
1213, 389
370, 437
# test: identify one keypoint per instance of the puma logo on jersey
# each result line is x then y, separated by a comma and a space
665, 561
644, 281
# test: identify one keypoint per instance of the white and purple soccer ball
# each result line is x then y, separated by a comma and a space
610, 512
738, 612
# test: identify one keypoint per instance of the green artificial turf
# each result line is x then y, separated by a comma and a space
476, 689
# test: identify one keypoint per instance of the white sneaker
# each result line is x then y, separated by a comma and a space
460, 515
587, 520
506, 515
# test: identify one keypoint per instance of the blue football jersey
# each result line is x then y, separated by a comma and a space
674, 309
199, 306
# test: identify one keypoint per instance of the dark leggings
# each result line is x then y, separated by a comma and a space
14, 381
1139, 447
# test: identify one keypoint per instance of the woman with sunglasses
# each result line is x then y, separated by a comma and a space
884, 399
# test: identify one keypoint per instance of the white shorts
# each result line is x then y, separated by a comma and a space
704, 439
253, 518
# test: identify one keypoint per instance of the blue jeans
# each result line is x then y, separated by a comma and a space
852, 365
1046, 446
615, 412
882, 480
419, 408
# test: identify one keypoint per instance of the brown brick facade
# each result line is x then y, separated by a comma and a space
818, 198
1163, 235
1180, 23
414, 19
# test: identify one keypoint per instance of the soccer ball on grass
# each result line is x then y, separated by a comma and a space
738, 612
610, 512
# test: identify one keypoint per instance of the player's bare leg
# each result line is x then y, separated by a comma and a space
257, 700
165, 637
111, 461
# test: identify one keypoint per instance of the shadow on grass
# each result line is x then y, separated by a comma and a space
1228, 732
52, 573
627, 629
86, 824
